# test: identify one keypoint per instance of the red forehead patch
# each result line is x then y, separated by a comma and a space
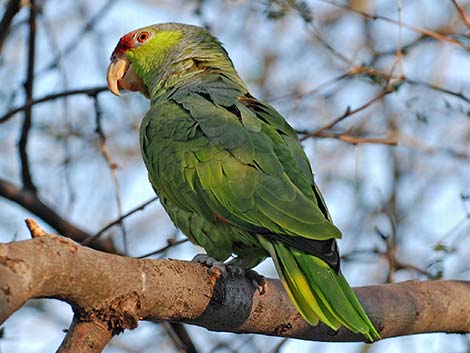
126, 42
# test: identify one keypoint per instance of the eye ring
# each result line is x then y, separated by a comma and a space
143, 36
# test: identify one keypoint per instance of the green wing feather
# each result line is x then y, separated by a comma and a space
280, 197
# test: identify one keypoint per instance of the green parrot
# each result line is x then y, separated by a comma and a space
230, 171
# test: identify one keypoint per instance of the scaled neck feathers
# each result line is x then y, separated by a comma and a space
192, 70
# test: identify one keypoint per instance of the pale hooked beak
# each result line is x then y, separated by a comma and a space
117, 69
121, 74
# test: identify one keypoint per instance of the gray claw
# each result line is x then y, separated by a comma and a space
205, 260
258, 279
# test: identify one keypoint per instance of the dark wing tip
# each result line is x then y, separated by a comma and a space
327, 250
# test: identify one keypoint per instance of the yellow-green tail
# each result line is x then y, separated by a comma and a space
318, 292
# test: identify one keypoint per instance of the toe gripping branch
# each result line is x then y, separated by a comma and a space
234, 268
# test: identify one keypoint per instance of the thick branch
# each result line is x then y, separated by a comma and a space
85, 337
32, 203
118, 291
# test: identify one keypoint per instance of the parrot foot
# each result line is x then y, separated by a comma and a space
224, 268
233, 268
205, 259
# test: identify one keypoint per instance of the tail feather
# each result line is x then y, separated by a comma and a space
318, 292
295, 282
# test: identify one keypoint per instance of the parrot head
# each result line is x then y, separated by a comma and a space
154, 57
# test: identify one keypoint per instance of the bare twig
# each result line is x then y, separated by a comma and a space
180, 337
391, 140
34, 228
399, 52
404, 48
337, 54
439, 89
312, 91
423, 31
462, 13
388, 89
409, 267
72, 44
64, 81
118, 220
23, 141
171, 243
280, 345
112, 168
399, 265
304, 12
363, 70
412, 142
93, 91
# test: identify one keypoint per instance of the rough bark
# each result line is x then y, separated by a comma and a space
115, 292
85, 336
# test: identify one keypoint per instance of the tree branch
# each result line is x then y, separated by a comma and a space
32, 203
462, 13
387, 90
72, 44
28, 113
422, 31
11, 9
92, 92
119, 220
391, 140
85, 337
179, 291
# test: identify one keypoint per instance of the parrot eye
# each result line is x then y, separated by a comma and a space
143, 36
